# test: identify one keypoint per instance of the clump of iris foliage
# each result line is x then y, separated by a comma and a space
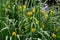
18, 22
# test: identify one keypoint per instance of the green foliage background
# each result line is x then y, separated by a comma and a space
15, 18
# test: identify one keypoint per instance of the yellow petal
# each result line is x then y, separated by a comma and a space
29, 13
14, 34
54, 35
33, 29
37, 22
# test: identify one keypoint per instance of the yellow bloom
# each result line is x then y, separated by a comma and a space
33, 9
29, 13
42, 12
43, 26
33, 29
20, 8
37, 22
46, 15
14, 34
51, 12
54, 35
8, 6
24, 6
